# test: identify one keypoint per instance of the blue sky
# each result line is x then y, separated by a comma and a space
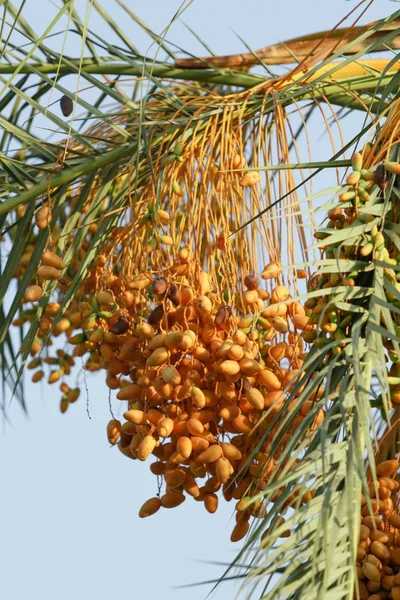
69, 503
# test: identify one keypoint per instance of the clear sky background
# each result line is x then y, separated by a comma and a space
69, 503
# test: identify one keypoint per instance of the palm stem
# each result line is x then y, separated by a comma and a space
245, 80
166, 72
66, 176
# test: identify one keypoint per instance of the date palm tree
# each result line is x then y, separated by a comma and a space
215, 151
